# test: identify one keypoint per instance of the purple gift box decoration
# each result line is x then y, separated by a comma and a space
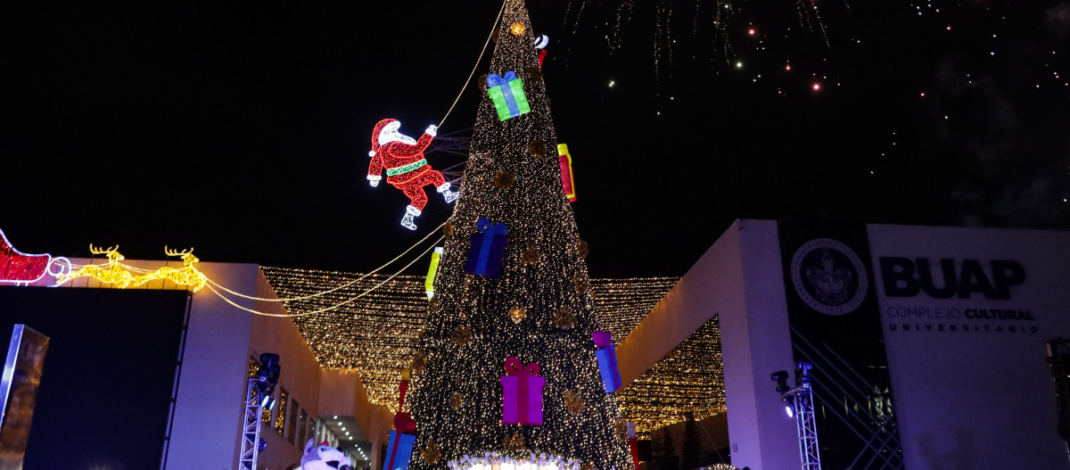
522, 393
399, 451
607, 360
487, 250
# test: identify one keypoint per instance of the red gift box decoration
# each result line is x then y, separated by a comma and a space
402, 421
522, 393
633, 445
568, 182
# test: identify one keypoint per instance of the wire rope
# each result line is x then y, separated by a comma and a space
343, 286
475, 67
333, 307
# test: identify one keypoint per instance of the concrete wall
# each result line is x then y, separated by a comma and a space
207, 415
300, 374
976, 398
690, 304
207, 419
740, 278
755, 341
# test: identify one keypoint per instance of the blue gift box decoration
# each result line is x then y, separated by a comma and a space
607, 360
487, 250
399, 451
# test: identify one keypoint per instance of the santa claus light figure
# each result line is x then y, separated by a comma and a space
406, 168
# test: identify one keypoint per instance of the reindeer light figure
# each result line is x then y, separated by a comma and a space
113, 272
187, 276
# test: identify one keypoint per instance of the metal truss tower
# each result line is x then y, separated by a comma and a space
800, 405
1059, 360
809, 452
250, 448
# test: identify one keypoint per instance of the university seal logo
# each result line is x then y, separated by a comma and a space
829, 276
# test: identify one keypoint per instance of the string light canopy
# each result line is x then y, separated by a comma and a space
688, 379
352, 336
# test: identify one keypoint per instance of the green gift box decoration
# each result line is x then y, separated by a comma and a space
508, 95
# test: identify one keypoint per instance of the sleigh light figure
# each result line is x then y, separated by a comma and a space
406, 168
23, 269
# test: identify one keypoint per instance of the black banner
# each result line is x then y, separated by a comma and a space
835, 325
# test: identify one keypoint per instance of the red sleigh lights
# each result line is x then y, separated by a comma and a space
23, 269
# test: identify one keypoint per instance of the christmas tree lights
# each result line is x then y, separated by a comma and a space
513, 130
688, 379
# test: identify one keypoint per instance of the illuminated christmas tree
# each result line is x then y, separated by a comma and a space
539, 309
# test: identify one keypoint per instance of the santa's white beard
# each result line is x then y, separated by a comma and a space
396, 137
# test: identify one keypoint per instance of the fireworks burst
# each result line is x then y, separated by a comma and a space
716, 19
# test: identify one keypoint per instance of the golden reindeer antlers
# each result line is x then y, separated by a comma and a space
171, 252
98, 251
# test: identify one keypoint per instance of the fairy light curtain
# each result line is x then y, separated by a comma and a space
375, 335
689, 378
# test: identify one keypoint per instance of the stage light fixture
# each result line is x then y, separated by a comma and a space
267, 375
802, 373
781, 378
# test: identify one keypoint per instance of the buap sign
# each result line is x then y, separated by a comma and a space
905, 277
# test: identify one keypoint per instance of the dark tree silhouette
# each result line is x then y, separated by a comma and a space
692, 445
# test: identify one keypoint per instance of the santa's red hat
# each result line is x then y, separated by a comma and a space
377, 132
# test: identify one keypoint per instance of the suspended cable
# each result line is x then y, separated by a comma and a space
333, 307
474, 68
343, 286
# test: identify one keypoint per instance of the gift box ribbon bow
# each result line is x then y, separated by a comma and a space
607, 360
602, 339
515, 368
495, 80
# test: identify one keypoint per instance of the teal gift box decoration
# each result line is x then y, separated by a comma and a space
508, 96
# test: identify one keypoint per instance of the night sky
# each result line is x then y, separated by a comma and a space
243, 131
